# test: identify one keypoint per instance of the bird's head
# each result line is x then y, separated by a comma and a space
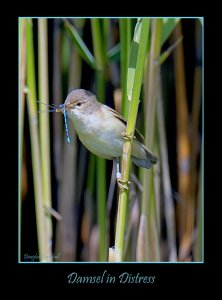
79, 102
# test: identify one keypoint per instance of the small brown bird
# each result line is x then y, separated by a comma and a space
100, 129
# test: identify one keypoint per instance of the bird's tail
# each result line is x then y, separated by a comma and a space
151, 159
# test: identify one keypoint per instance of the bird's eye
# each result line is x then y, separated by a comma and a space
79, 104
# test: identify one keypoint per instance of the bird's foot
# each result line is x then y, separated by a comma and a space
127, 137
123, 185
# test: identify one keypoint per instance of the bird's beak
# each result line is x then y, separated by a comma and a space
66, 106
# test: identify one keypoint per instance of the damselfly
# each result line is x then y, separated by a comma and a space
60, 108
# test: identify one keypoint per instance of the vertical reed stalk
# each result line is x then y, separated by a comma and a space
44, 121
185, 211
125, 168
148, 218
43, 245
22, 71
196, 108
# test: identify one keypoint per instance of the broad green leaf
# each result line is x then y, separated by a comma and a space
137, 31
133, 57
130, 81
125, 26
80, 45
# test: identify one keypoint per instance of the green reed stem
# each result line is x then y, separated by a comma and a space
44, 120
125, 168
22, 70
148, 197
44, 250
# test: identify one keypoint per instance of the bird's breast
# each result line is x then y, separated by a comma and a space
100, 133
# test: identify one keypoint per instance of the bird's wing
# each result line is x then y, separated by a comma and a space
138, 135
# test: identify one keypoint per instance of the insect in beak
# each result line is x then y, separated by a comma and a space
62, 109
